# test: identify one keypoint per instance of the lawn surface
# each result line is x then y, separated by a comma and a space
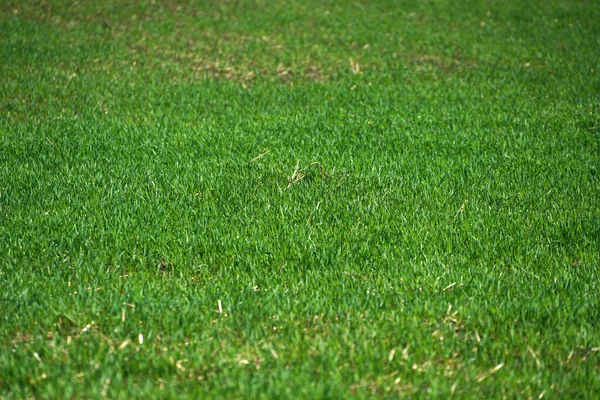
299, 199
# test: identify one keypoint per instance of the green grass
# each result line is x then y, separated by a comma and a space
424, 219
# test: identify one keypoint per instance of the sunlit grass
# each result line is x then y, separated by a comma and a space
299, 200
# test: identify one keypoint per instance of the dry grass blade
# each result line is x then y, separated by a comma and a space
535, 357
321, 169
274, 353
258, 157
450, 286
405, 352
354, 66
296, 175
461, 209
492, 371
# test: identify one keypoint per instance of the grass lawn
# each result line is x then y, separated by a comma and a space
299, 199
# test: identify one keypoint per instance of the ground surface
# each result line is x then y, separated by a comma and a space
299, 200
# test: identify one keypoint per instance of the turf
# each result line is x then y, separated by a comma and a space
301, 199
